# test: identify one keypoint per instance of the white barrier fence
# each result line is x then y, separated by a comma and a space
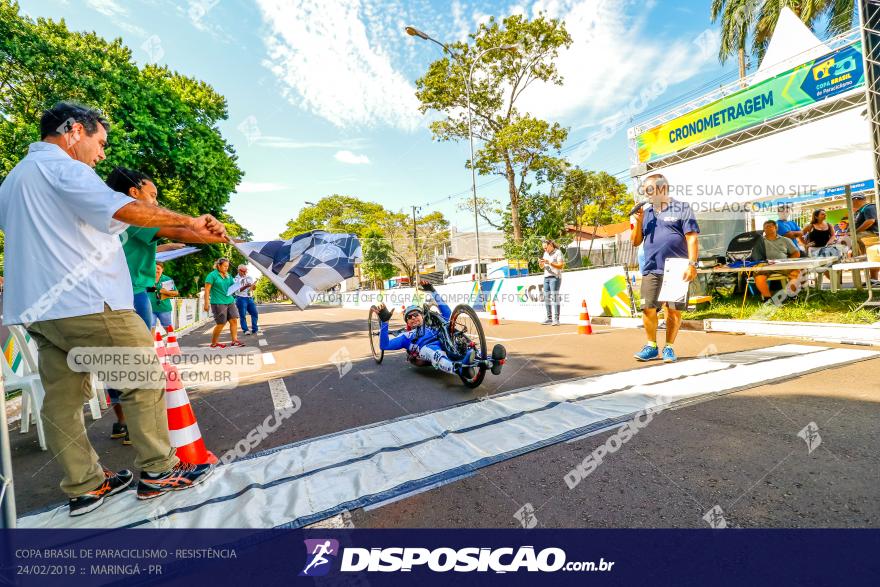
186, 312
519, 298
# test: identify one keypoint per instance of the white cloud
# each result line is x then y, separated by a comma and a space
351, 158
331, 63
256, 187
614, 56
290, 143
107, 7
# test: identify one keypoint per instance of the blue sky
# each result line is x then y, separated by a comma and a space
321, 92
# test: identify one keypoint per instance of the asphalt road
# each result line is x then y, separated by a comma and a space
739, 452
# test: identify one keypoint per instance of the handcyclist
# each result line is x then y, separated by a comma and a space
423, 342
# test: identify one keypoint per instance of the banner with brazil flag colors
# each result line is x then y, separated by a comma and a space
806, 84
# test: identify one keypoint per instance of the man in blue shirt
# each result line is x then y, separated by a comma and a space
667, 229
866, 225
789, 228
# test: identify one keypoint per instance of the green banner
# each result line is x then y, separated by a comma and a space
806, 84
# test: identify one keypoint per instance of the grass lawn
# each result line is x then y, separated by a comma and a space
824, 306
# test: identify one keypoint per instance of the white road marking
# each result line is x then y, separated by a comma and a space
262, 342
337, 522
268, 359
280, 395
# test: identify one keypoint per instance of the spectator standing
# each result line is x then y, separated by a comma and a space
161, 301
666, 229
244, 300
69, 287
866, 226
221, 304
552, 264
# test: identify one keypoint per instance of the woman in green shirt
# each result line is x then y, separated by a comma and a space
221, 304
161, 302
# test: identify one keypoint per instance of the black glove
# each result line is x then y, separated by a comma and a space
427, 286
385, 314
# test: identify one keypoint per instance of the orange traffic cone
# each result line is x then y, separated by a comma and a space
494, 316
171, 345
159, 346
183, 429
584, 326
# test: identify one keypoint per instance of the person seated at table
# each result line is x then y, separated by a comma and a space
773, 247
790, 229
819, 233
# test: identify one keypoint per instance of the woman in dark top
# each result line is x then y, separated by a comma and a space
819, 233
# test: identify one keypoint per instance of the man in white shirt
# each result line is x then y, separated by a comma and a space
552, 264
69, 286
244, 300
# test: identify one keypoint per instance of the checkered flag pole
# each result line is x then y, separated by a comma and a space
307, 264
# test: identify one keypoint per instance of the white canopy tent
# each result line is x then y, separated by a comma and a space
834, 150
792, 43
827, 143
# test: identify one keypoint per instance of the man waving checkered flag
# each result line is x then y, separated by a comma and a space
306, 264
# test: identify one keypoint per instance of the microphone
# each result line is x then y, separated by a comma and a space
636, 208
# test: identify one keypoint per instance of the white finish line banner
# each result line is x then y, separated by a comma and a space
308, 481
519, 298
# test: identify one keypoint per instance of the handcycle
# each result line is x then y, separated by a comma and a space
461, 332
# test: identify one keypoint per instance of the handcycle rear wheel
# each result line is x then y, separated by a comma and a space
373, 325
466, 331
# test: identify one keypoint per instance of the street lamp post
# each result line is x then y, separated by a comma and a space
414, 32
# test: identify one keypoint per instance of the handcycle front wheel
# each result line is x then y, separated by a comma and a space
466, 331
373, 325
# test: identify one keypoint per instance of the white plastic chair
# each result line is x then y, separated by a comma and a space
30, 355
32, 394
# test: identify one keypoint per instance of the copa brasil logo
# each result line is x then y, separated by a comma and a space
320, 553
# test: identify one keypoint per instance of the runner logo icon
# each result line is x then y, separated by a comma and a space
319, 554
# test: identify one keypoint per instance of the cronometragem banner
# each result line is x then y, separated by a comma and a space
806, 84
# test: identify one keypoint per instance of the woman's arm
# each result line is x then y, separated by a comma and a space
207, 296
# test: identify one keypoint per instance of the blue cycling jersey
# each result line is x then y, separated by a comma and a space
414, 339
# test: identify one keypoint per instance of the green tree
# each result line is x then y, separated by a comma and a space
336, 213
163, 123
432, 233
265, 291
378, 265
516, 145
742, 20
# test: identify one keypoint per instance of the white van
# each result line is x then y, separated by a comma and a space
464, 271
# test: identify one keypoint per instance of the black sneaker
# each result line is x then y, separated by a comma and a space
119, 431
127, 440
499, 354
113, 483
183, 476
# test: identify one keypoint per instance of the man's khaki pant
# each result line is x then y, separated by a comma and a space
67, 390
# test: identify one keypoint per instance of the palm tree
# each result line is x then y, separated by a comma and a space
737, 21
741, 19
840, 15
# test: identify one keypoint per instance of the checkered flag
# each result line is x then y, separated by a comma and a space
306, 264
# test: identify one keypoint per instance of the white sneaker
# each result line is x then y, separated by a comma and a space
259, 331
247, 332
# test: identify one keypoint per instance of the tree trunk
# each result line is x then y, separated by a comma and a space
514, 200
742, 65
